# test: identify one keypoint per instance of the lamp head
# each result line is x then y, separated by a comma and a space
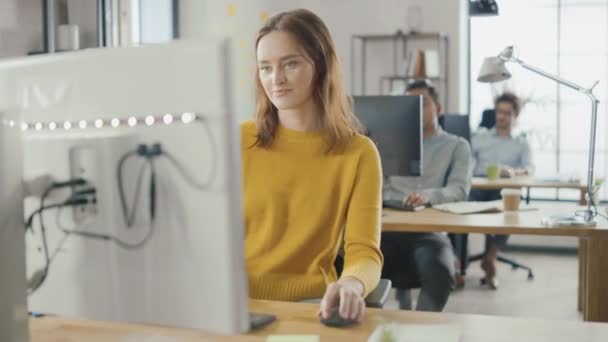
493, 69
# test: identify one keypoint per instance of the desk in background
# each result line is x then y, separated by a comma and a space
299, 318
593, 248
482, 183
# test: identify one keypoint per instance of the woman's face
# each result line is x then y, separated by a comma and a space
286, 72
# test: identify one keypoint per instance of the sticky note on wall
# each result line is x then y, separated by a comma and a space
264, 16
231, 10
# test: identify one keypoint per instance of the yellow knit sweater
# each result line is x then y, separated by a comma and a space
300, 204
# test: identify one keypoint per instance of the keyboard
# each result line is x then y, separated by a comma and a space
399, 205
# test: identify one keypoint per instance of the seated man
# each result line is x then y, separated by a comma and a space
426, 259
497, 146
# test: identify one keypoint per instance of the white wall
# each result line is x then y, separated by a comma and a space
238, 19
344, 18
20, 27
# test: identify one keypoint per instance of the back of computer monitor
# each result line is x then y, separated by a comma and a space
394, 123
457, 124
13, 312
191, 272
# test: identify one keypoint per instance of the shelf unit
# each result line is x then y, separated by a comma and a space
402, 45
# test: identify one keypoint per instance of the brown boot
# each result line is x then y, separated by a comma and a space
489, 279
458, 278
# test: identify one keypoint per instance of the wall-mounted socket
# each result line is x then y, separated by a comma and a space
83, 164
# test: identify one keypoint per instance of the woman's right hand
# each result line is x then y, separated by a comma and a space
348, 294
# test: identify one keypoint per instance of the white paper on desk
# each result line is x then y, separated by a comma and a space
471, 207
394, 332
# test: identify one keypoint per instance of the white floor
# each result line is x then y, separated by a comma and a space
551, 295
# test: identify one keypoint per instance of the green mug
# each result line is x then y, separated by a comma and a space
493, 171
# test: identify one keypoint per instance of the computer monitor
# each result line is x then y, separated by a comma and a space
191, 272
394, 123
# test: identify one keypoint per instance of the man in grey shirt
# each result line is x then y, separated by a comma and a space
426, 259
497, 146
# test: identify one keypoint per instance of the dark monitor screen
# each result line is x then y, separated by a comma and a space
394, 123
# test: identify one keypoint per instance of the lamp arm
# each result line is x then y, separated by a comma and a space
545, 74
594, 104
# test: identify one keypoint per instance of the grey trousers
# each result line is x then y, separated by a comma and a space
424, 260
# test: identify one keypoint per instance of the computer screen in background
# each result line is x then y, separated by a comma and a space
394, 123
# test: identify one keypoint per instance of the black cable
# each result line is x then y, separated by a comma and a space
30, 219
47, 259
105, 237
602, 215
185, 175
214, 161
137, 195
70, 183
152, 190
69, 202
41, 275
129, 214
121, 192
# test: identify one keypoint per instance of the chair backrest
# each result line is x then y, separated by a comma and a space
457, 124
488, 118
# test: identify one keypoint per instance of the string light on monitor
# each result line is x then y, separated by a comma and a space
187, 118
168, 119
150, 120
131, 122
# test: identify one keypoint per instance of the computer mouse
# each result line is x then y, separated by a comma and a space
335, 320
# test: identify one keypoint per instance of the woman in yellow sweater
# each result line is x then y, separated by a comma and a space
311, 180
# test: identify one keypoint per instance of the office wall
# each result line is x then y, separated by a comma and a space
21, 32
20, 27
345, 18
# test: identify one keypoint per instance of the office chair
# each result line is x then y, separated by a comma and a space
459, 125
488, 118
491, 195
375, 299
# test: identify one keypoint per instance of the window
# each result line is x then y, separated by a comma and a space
568, 38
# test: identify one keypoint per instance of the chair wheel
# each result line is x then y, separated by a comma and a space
482, 281
530, 276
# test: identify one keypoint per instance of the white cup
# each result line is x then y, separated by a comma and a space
511, 199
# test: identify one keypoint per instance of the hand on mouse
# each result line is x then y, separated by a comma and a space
416, 199
348, 292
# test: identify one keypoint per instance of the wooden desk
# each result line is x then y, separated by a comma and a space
593, 256
297, 318
482, 183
